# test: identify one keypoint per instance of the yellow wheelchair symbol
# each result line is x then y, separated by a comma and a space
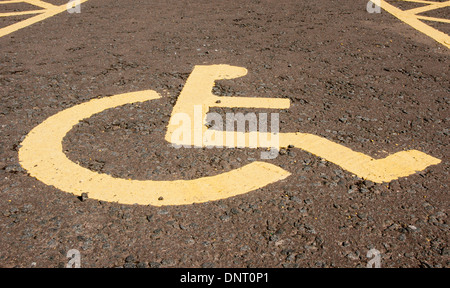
41, 153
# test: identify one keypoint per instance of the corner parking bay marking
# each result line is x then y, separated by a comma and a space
412, 18
48, 10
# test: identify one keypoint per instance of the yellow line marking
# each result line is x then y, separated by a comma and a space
48, 11
41, 4
430, 7
433, 19
410, 18
42, 155
11, 2
197, 91
19, 13
420, 2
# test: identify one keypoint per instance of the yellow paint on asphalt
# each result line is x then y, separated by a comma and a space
48, 10
41, 153
42, 156
198, 92
400, 164
20, 13
426, 18
412, 18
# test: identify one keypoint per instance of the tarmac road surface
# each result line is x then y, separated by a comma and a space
368, 82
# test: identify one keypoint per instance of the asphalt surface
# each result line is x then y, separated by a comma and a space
366, 81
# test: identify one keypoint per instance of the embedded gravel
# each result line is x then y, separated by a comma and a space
364, 80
